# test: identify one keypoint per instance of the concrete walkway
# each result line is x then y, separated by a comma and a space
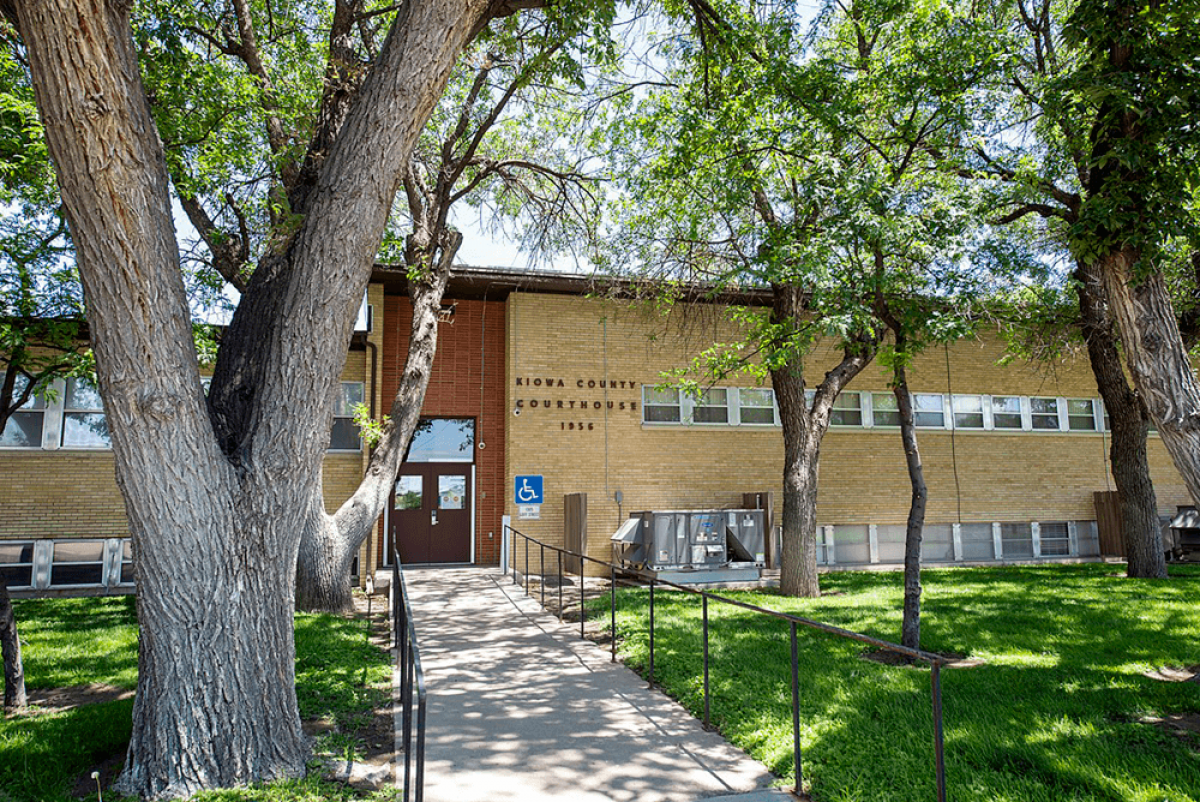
521, 709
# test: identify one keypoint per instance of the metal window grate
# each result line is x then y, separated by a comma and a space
1056, 539
1017, 539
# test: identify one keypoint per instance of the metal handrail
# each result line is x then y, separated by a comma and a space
412, 680
935, 661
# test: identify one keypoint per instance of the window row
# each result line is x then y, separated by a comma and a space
71, 415
739, 406
43, 564
862, 544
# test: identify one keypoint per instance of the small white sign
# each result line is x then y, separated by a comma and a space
529, 512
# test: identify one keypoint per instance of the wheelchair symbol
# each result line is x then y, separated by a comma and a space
525, 493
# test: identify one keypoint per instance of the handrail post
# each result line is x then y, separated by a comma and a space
651, 630
939, 746
704, 600
420, 795
526, 564
582, 594
799, 789
542, 551
560, 587
612, 609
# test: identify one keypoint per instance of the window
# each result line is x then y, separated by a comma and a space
452, 492
757, 405
1006, 412
344, 435
1044, 414
1081, 415
1055, 539
711, 407
84, 424
24, 427
968, 412
78, 562
661, 406
929, 410
884, 409
127, 576
16, 564
847, 410
409, 492
443, 440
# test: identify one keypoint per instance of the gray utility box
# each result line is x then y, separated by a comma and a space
694, 539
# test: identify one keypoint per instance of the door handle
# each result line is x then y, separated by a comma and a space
433, 521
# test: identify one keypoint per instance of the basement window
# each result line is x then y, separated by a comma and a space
77, 562
16, 564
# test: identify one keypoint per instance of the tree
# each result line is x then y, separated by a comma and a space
40, 304
1137, 85
731, 177
805, 171
477, 147
913, 225
216, 703
1030, 147
10, 645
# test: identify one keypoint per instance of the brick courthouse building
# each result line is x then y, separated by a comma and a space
540, 375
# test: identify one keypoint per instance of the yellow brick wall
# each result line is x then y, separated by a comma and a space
73, 492
1017, 476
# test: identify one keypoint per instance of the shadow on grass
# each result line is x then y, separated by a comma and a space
1054, 714
78, 641
41, 755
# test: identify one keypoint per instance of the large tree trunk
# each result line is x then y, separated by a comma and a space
216, 520
10, 646
1128, 424
1116, 184
910, 628
804, 428
1157, 360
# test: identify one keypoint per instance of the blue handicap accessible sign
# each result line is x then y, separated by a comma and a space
528, 489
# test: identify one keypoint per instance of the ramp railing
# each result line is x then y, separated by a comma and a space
412, 685
794, 622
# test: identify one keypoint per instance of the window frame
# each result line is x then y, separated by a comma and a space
647, 405
341, 413
66, 411
693, 403
918, 412
1021, 413
36, 405
984, 418
1056, 415
1096, 420
738, 406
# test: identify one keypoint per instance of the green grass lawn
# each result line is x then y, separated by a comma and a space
340, 677
1058, 711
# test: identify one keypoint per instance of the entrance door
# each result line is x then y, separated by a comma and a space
431, 513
